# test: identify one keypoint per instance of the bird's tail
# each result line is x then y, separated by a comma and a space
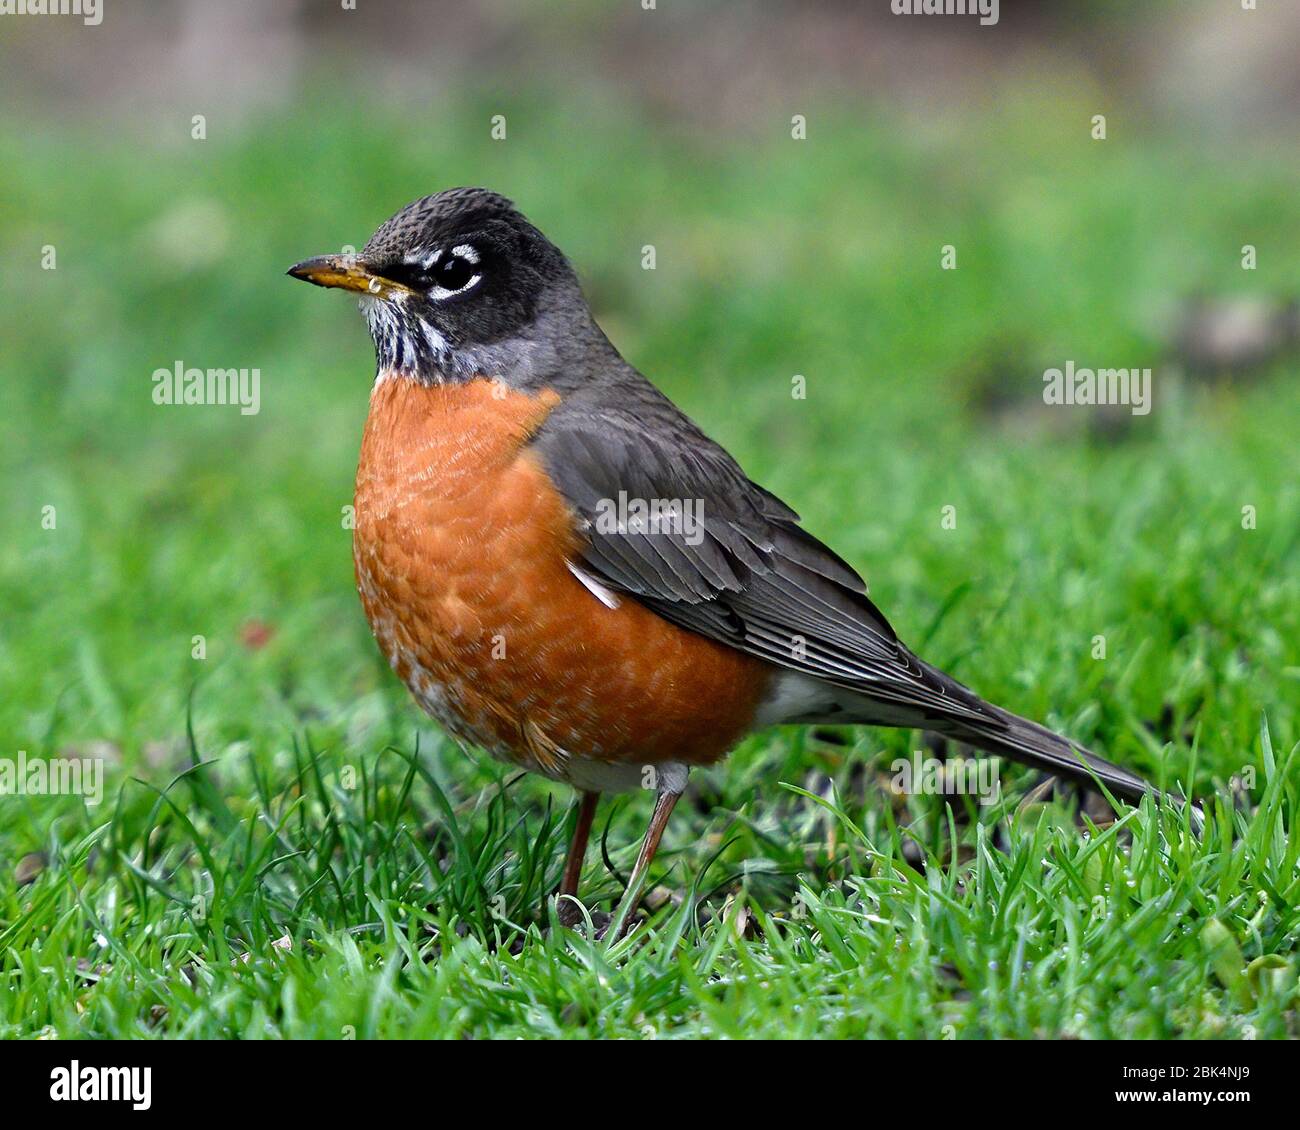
1008, 735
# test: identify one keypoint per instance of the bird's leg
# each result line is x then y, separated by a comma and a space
568, 913
670, 788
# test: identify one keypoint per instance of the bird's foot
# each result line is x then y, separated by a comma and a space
571, 915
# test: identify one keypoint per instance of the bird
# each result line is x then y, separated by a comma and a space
569, 574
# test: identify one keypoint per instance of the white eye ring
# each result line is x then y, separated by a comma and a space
440, 292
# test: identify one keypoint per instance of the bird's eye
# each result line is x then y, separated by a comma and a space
454, 272
441, 275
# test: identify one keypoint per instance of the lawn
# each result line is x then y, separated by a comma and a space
287, 848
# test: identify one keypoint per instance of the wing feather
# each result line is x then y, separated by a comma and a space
747, 574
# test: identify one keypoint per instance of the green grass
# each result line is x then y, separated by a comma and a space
309, 799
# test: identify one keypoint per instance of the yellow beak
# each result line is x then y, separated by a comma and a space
348, 272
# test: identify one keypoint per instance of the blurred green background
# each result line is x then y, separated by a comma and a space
774, 257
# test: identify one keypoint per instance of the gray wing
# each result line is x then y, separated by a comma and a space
743, 572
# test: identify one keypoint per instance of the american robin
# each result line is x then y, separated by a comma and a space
566, 571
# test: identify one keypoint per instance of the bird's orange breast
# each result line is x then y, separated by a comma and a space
461, 548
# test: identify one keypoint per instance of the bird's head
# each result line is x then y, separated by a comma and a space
460, 285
